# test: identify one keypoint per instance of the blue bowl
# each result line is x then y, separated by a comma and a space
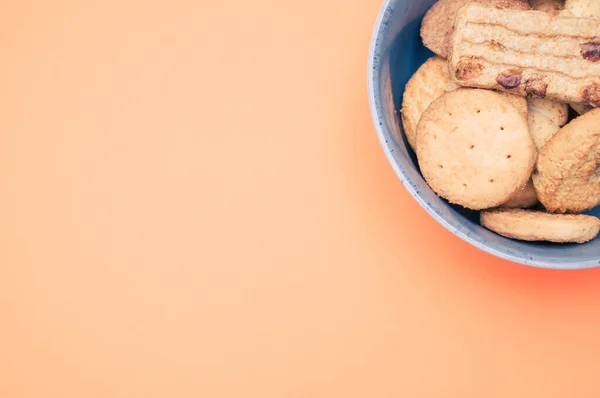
396, 53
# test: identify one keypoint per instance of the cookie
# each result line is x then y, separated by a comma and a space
530, 225
567, 177
474, 148
524, 198
427, 84
582, 8
437, 25
545, 118
529, 53
550, 6
517, 101
581, 108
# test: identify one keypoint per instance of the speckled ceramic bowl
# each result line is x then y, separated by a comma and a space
396, 53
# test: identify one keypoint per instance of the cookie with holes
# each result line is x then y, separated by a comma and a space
474, 148
534, 226
567, 176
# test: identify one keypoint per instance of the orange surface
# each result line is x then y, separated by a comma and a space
194, 204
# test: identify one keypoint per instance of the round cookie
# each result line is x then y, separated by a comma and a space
567, 177
438, 23
532, 226
474, 148
550, 6
427, 84
524, 198
545, 118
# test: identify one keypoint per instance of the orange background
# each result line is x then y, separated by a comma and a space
194, 204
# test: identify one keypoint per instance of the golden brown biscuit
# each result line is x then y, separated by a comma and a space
523, 198
567, 177
529, 53
474, 148
427, 84
437, 25
530, 225
545, 118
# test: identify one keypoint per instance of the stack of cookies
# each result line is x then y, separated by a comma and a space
488, 116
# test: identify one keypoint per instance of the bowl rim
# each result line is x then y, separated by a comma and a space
381, 128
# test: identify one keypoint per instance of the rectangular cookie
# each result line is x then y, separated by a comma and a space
530, 53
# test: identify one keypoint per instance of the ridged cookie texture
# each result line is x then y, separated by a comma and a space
530, 225
530, 53
437, 25
474, 148
428, 83
567, 176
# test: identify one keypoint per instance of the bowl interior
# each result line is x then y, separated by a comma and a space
396, 53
